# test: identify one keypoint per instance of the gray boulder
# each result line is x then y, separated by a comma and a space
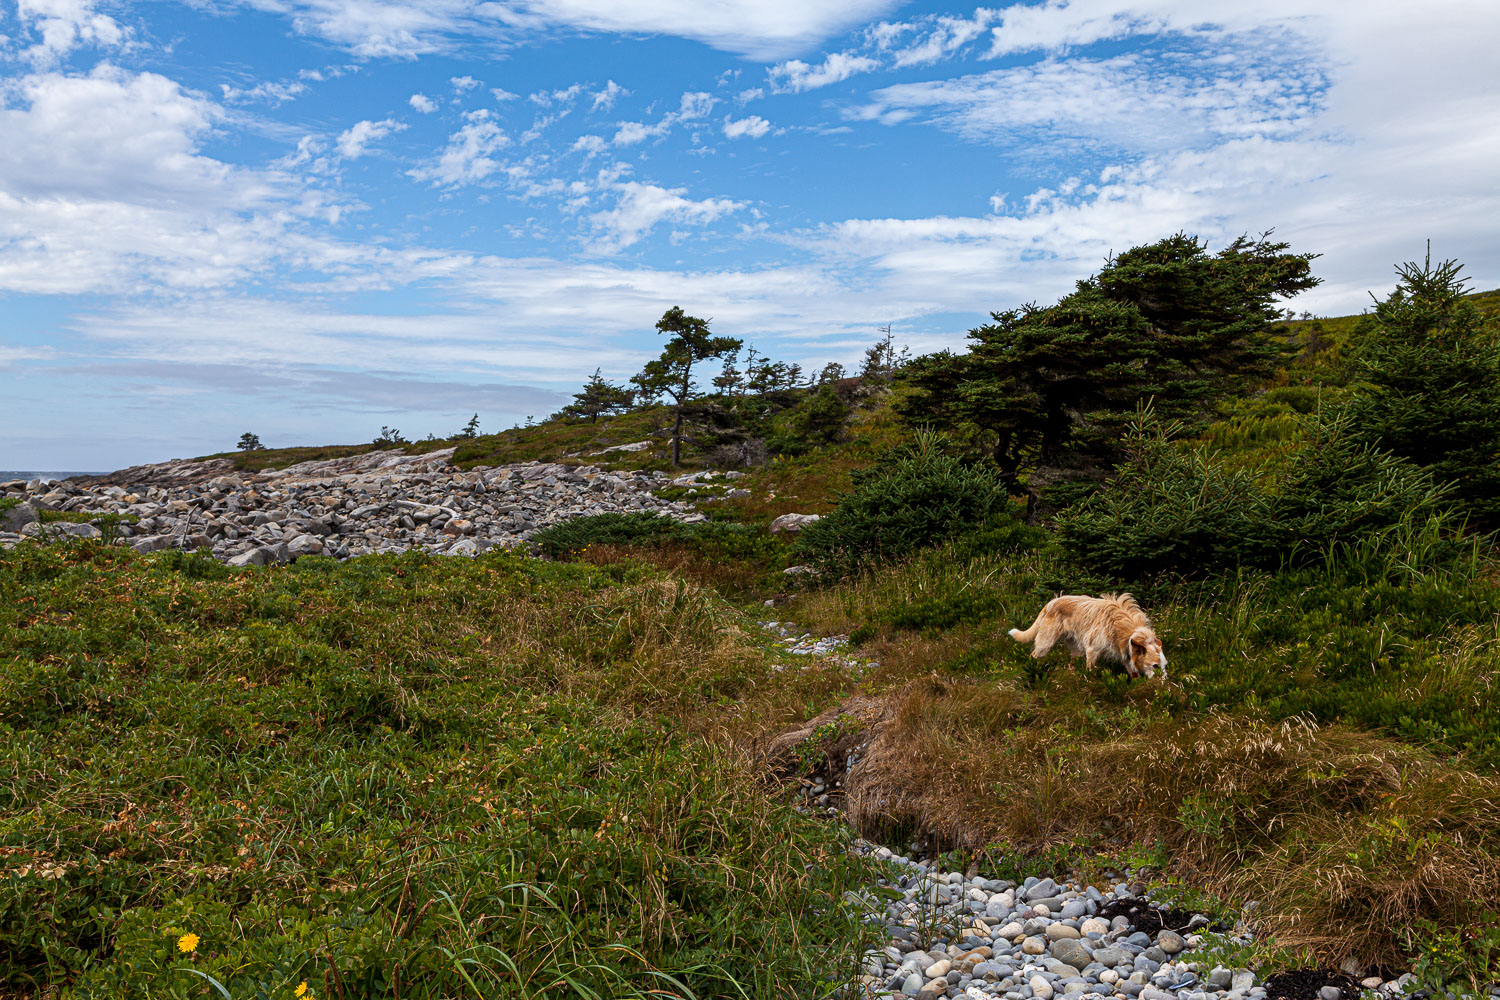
152, 543
17, 517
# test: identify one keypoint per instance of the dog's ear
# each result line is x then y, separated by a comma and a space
1138, 641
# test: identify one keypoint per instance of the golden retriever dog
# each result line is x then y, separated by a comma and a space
1112, 627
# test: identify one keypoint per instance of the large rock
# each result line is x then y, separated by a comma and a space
792, 523
17, 517
1071, 952
153, 543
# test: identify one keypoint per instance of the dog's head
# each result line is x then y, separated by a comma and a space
1146, 656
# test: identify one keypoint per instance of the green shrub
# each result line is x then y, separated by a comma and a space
919, 496
577, 534
394, 776
1168, 510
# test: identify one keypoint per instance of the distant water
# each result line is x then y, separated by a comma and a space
8, 474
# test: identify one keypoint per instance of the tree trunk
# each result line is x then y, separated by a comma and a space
677, 438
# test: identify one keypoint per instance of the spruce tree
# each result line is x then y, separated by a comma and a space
1169, 322
599, 398
1427, 384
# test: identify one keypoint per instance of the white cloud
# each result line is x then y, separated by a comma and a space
795, 76
1126, 102
696, 104
146, 209
606, 98
641, 207
630, 133
422, 104
746, 96
930, 39
758, 29
501, 95
64, 25
753, 127
467, 158
354, 142
565, 96
589, 145
463, 84
270, 91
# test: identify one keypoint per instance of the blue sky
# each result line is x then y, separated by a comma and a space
312, 218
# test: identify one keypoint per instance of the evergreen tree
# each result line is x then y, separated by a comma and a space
599, 397
250, 442
882, 360
672, 373
1427, 384
730, 381
832, 372
1167, 321
470, 429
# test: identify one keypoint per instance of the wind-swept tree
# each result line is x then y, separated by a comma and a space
1168, 321
249, 442
599, 398
672, 374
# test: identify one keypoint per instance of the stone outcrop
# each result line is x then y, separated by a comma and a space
376, 502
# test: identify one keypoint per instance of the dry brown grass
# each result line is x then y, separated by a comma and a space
1345, 838
727, 576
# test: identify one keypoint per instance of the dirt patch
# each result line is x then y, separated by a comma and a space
1144, 917
1307, 984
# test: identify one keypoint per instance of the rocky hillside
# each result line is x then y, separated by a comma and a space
381, 501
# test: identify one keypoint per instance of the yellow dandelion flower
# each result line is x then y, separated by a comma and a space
301, 988
187, 943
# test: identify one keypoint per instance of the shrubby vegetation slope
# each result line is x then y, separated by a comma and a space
519, 777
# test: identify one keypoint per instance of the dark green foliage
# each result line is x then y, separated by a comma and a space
1427, 370
1166, 510
817, 421
918, 496
469, 430
1168, 321
1171, 510
249, 442
671, 374
390, 437
599, 398
576, 534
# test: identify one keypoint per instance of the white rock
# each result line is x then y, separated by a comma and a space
1040, 988
793, 522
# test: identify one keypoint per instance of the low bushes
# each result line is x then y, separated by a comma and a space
918, 496
1169, 510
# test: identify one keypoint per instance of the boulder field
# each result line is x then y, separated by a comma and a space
383, 501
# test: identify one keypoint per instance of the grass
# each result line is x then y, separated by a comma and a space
398, 776
1328, 742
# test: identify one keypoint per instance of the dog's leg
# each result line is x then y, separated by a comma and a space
1047, 635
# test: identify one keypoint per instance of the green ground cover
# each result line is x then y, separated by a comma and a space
391, 777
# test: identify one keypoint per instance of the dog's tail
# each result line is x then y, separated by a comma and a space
1025, 636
